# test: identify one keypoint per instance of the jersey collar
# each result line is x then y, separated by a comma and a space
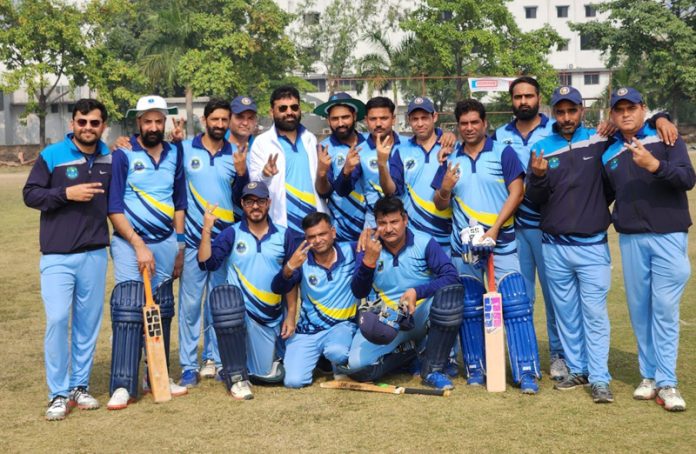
488, 146
197, 142
244, 226
372, 144
333, 140
339, 259
102, 148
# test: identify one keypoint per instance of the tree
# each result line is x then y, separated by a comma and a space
654, 42
472, 37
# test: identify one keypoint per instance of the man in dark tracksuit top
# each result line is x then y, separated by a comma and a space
68, 184
651, 213
566, 182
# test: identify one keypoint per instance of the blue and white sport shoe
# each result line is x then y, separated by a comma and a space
475, 379
438, 380
189, 378
452, 368
528, 384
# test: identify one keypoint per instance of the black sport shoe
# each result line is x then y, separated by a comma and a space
601, 394
572, 381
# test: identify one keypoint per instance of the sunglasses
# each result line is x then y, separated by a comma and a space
251, 202
82, 122
293, 107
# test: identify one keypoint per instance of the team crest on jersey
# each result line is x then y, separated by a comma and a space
554, 163
373, 164
313, 280
507, 141
138, 166
380, 266
71, 172
241, 248
410, 164
614, 163
195, 164
340, 160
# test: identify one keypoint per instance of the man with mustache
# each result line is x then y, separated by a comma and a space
216, 173
285, 159
566, 183
340, 153
147, 203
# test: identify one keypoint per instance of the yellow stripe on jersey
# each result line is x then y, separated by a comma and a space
221, 213
163, 207
337, 314
388, 301
306, 197
269, 298
487, 219
357, 196
376, 187
429, 205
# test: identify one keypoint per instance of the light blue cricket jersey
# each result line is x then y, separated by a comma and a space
481, 191
299, 184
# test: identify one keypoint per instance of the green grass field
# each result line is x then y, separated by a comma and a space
314, 419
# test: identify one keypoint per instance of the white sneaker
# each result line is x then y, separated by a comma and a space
340, 377
119, 399
559, 369
177, 390
80, 398
646, 390
671, 399
57, 409
241, 390
208, 369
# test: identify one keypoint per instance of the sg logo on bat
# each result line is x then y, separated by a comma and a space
493, 313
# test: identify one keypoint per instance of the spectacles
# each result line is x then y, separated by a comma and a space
251, 202
82, 122
293, 107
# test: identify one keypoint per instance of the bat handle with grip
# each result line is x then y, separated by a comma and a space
149, 301
491, 274
427, 392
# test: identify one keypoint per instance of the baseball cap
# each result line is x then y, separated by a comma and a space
420, 103
381, 328
256, 188
566, 93
628, 93
151, 102
242, 104
341, 99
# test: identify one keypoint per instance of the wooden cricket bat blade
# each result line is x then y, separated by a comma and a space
494, 334
154, 346
381, 388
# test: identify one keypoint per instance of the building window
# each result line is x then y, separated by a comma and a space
562, 11
2, 101
55, 108
590, 11
588, 41
530, 12
592, 79
310, 18
565, 79
563, 46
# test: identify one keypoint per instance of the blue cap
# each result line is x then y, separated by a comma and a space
257, 188
381, 328
342, 99
242, 104
566, 93
421, 103
627, 93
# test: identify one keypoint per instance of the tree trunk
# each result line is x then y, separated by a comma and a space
42, 120
189, 112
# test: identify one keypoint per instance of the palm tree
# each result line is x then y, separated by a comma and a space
386, 62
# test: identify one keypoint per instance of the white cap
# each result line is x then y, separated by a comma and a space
152, 102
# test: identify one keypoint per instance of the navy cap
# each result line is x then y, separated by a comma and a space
242, 104
566, 93
421, 103
342, 99
382, 327
257, 188
627, 93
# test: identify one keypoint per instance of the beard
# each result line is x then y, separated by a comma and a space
344, 133
152, 138
285, 122
216, 133
85, 142
526, 112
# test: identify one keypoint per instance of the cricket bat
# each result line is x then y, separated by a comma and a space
382, 388
154, 346
494, 334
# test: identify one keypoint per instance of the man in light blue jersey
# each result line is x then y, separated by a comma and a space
215, 175
340, 153
251, 325
324, 269
285, 159
412, 168
566, 183
147, 199
483, 184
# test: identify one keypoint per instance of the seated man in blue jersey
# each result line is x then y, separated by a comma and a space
404, 268
147, 201
68, 184
216, 173
250, 320
483, 184
324, 269
337, 153
648, 180
566, 183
